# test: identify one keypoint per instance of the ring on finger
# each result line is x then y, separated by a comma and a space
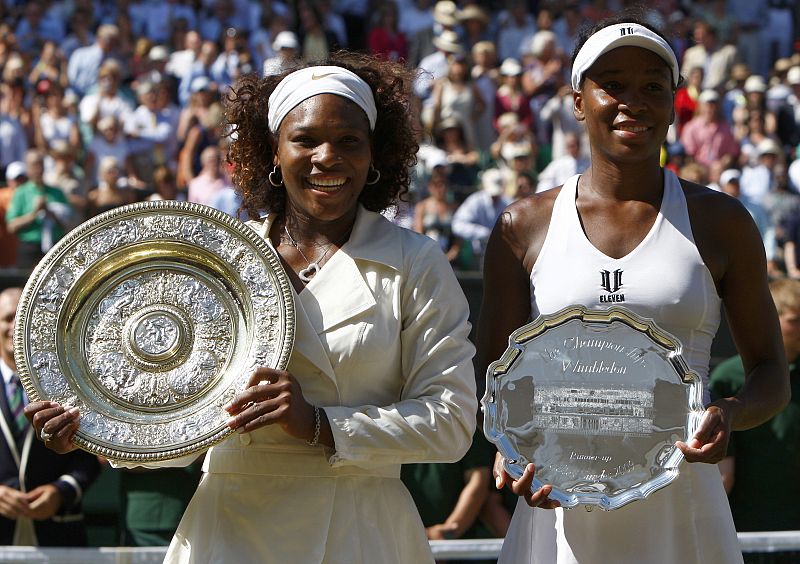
45, 436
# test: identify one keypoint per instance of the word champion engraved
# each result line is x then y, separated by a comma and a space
574, 343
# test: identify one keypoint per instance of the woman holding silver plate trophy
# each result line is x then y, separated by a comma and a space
629, 233
380, 374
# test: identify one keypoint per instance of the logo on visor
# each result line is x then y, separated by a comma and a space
319, 76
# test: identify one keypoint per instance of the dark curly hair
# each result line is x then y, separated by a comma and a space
630, 15
394, 145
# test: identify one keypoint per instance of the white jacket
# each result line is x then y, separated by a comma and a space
381, 343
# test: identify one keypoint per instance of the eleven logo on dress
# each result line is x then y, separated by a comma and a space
611, 282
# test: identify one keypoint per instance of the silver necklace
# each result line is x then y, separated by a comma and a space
313, 266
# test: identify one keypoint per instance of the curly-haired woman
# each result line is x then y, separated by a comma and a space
381, 372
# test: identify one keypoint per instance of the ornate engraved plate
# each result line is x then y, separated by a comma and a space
149, 319
596, 400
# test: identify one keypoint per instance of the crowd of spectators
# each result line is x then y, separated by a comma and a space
105, 103
120, 102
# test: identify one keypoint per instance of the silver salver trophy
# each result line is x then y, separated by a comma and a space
596, 400
149, 319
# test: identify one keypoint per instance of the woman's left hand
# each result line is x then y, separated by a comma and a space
272, 396
710, 441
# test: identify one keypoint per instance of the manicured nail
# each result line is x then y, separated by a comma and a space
497, 481
73, 411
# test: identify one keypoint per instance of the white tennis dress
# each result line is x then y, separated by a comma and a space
663, 278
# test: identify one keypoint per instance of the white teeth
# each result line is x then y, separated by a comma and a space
327, 182
632, 129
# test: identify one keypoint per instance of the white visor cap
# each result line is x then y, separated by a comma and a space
622, 35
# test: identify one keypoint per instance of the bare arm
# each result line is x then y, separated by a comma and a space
470, 501
732, 249
727, 470
789, 256
510, 254
24, 220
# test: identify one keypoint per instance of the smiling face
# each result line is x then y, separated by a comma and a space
324, 152
627, 103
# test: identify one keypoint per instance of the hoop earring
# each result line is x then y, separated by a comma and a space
377, 175
276, 172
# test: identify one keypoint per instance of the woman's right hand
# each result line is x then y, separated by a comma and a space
522, 487
60, 423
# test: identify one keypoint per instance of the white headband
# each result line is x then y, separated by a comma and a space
622, 35
305, 83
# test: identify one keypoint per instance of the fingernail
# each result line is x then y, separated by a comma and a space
73, 411
66, 407
497, 481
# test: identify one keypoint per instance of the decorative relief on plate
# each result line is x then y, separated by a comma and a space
150, 318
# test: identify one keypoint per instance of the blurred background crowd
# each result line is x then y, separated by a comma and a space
108, 103
105, 103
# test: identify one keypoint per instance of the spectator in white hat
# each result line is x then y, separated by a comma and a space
475, 217
287, 49
436, 65
758, 180
509, 97
15, 176
443, 18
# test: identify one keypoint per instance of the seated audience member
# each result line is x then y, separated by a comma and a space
204, 187
449, 496
559, 170
757, 181
761, 469
62, 173
41, 491
729, 182
153, 502
15, 176
525, 185
109, 142
286, 47
475, 218
708, 137
164, 187
112, 191
518, 158
711, 54
39, 214
433, 216
461, 156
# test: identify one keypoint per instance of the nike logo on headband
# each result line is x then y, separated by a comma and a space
319, 76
